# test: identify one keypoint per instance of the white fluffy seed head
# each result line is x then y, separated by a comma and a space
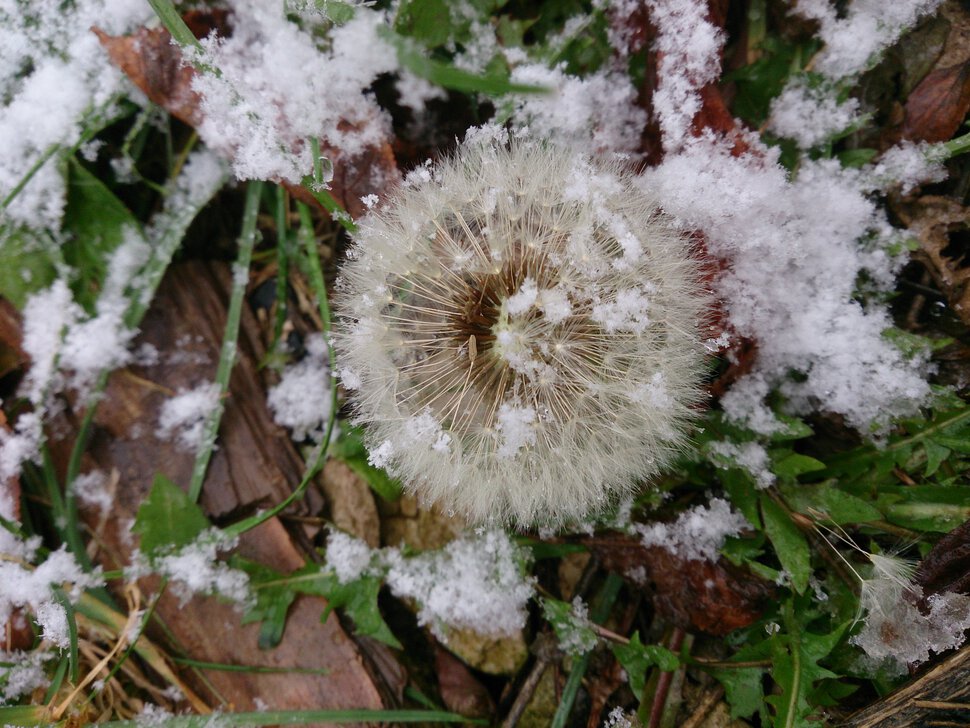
521, 324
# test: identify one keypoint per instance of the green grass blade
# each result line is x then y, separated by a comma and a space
600, 611
227, 355
304, 717
166, 12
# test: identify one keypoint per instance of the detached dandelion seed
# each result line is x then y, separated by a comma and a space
519, 325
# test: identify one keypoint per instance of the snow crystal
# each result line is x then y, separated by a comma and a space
183, 416
348, 556
54, 75
689, 46
34, 588
277, 89
91, 489
600, 109
301, 401
617, 719
854, 42
473, 583
576, 637
627, 312
524, 299
750, 456
698, 533
53, 623
810, 115
21, 673
47, 315
195, 569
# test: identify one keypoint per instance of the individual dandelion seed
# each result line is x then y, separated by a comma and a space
519, 326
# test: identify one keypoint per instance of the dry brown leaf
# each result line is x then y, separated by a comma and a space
938, 105
946, 568
254, 466
711, 596
460, 691
155, 65
932, 219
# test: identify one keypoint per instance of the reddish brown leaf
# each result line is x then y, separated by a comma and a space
154, 64
254, 466
460, 691
946, 568
938, 105
711, 596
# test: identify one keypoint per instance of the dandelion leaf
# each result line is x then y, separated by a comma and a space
168, 519
636, 658
98, 222
790, 543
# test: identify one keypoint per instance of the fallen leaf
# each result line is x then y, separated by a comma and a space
938, 105
461, 692
946, 568
932, 220
711, 596
155, 65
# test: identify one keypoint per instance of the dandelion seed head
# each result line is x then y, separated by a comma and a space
522, 323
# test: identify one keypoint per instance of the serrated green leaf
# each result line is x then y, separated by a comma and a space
427, 21
839, 506
168, 519
740, 488
935, 455
744, 686
795, 669
350, 450
790, 544
358, 599
957, 444
793, 464
273, 599
98, 222
25, 267
636, 658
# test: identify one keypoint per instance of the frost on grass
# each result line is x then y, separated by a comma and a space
301, 401
262, 114
183, 416
21, 673
698, 533
53, 75
34, 589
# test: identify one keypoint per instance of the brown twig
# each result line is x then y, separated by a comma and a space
664, 681
704, 707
